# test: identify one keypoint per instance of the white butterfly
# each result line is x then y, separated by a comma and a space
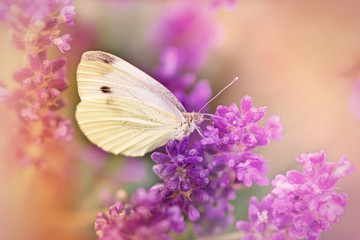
125, 111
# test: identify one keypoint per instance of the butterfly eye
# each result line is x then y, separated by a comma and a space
105, 89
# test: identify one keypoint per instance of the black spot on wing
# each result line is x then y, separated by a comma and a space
105, 89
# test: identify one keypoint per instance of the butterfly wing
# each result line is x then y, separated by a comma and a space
122, 109
102, 74
129, 127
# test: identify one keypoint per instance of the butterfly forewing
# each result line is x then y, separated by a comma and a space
102, 74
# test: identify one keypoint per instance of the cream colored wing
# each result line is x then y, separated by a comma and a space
126, 126
102, 75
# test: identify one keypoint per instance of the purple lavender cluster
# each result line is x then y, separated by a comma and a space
202, 180
233, 137
302, 204
34, 27
183, 175
143, 218
180, 169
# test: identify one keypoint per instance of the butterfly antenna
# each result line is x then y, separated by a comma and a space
213, 115
234, 80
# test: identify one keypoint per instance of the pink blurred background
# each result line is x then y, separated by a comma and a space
300, 58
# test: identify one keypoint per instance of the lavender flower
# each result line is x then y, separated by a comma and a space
183, 175
202, 181
234, 135
190, 28
304, 203
143, 218
34, 28
260, 215
231, 140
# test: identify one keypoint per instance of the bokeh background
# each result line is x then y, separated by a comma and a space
300, 58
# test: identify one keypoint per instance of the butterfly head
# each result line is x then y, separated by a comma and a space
191, 122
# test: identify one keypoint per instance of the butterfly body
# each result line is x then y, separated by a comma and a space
125, 111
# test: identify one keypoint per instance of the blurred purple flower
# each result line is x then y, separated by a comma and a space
142, 218
184, 36
68, 13
95, 157
34, 28
355, 100
303, 204
4, 9
131, 170
170, 74
62, 42
188, 26
229, 5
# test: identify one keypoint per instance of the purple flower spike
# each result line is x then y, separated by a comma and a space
144, 218
35, 28
182, 171
303, 204
189, 26
236, 131
235, 134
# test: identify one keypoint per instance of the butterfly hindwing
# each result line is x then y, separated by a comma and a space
126, 126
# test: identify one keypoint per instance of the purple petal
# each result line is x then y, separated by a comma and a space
23, 73
193, 161
243, 226
169, 170
63, 42
295, 177
344, 167
274, 127
183, 144
245, 104
184, 185
200, 196
225, 179
160, 158
172, 148
174, 182
193, 213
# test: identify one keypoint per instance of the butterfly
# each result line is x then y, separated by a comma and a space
125, 111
